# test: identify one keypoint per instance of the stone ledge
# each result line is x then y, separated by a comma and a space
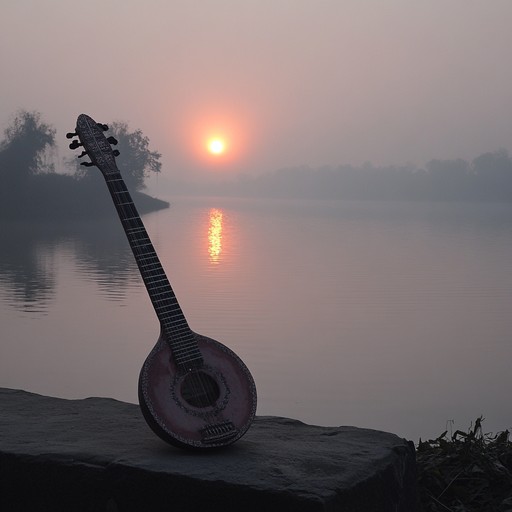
98, 454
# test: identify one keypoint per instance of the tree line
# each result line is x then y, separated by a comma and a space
30, 186
487, 177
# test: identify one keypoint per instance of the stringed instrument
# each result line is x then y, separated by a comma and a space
194, 392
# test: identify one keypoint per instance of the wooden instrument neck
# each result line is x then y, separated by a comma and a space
173, 322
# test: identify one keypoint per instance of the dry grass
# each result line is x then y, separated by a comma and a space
466, 472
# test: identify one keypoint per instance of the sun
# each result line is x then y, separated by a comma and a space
216, 146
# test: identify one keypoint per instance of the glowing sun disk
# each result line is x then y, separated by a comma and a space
216, 146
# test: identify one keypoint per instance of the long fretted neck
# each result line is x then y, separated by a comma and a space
173, 322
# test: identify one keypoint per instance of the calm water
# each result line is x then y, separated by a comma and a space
389, 316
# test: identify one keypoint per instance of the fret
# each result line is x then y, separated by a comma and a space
146, 269
153, 294
182, 348
172, 328
176, 330
165, 307
149, 268
147, 244
128, 211
156, 278
170, 299
123, 197
185, 344
153, 269
179, 318
144, 250
144, 258
176, 340
147, 264
159, 290
156, 281
151, 255
135, 230
167, 320
137, 233
153, 284
133, 236
144, 242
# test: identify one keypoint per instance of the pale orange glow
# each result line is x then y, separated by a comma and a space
216, 138
216, 146
215, 235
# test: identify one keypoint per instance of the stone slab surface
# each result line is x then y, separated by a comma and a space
99, 454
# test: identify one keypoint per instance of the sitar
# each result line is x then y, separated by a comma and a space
194, 392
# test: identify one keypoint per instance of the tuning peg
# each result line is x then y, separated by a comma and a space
87, 164
116, 152
83, 153
70, 135
75, 144
112, 140
104, 127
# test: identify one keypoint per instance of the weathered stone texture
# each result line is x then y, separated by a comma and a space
98, 454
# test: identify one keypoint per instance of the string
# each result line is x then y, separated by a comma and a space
174, 324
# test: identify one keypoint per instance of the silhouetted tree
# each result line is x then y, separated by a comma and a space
24, 150
493, 173
496, 164
449, 179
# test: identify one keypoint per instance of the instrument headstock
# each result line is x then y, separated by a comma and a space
95, 144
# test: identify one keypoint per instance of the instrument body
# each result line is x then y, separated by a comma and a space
194, 392
168, 409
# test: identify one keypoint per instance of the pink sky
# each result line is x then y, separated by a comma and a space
289, 82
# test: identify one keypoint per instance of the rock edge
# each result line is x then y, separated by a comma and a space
99, 454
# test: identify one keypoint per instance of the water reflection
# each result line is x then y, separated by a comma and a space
27, 275
32, 255
215, 235
104, 257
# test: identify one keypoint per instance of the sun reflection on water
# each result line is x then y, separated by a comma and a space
215, 235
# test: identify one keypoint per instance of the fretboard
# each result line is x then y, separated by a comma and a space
173, 322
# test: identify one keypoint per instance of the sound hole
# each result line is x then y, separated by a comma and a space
199, 389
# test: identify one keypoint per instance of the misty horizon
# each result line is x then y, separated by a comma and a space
29, 168
287, 84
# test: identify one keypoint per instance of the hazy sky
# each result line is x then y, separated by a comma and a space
287, 82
